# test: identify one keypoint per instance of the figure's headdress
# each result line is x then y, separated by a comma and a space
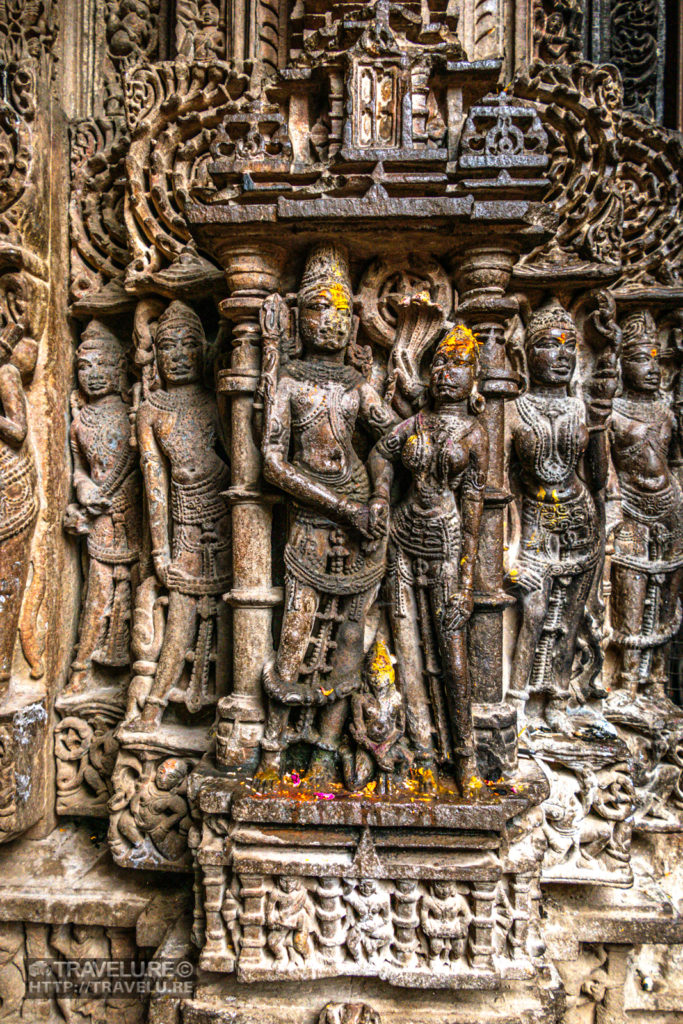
99, 337
460, 341
179, 314
380, 667
551, 316
637, 330
327, 266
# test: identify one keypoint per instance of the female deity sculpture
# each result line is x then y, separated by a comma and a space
648, 542
18, 498
107, 487
334, 557
433, 542
185, 475
555, 437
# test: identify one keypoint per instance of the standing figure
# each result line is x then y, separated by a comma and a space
554, 436
445, 916
107, 486
18, 499
372, 930
289, 918
648, 543
185, 476
334, 557
434, 537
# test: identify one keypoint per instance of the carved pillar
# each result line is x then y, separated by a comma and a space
251, 274
483, 278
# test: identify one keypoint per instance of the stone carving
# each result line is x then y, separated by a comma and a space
377, 727
434, 537
648, 542
582, 138
107, 486
635, 39
98, 236
19, 501
86, 754
560, 543
185, 474
149, 814
444, 916
335, 551
349, 1013
558, 28
289, 918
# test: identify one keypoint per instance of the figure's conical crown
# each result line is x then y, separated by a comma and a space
176, 314
327, 266
99, 337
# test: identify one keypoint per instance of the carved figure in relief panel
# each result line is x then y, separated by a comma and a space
377, 726
107, 484
289, 918
557, 440
445, 915
434, 537
19, 499
371, 932
185, 475
149, 810
335, 550
648, 542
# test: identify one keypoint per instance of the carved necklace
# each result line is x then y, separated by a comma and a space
320, 372
556, 424
171, 401
644, 412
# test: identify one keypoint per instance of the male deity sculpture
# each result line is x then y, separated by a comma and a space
335, 550
185, 476
434, 537
18, 498
554, 435
107, 485
648, 542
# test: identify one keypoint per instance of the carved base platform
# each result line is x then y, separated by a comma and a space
587, 819
86, 749
24, 770
149, 815
63, 897
421, 891
652, 728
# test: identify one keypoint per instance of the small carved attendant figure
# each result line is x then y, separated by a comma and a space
185, 475
648, 543
378, 727
433, 545
372, 931
18, 499
445, 915
153, 815
107, 486
334, 556
561, 531
289, 916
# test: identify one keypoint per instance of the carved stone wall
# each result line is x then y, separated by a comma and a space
340, 509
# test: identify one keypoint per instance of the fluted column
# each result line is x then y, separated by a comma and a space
252, 273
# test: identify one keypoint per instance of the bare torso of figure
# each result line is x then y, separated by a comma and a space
641, 435
186, 428
103, 431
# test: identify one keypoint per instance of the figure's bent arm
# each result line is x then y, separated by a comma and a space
472, 504
155, 476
